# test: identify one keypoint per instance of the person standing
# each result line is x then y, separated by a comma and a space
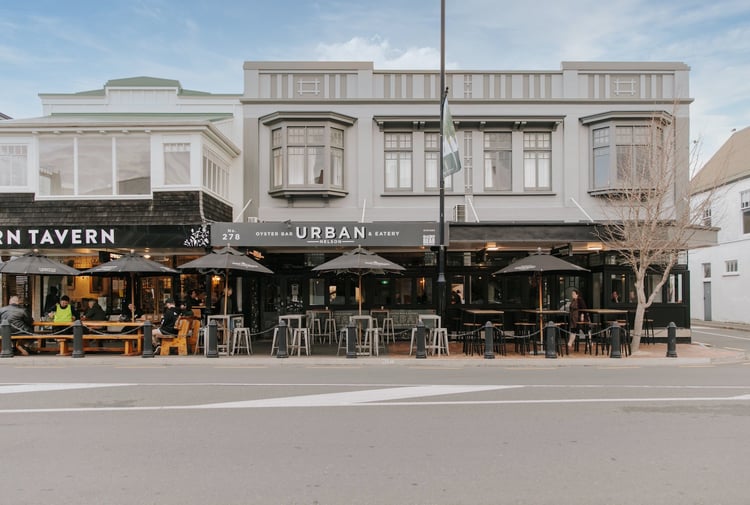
577, 305
51, 300
64, 312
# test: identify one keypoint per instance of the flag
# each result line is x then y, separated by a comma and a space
451, 158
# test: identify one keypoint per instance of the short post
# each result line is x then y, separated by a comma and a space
550, 341
7, 341
281, 351
421, 345
78, 340
351, 340
489, 347
614, 350
671, 340
148, 342
212, 348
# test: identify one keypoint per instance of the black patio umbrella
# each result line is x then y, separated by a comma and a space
538, 264
132, 264
226, 259
359, 261
35, 263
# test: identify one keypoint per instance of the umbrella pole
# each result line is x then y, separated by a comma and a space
226, 290
541, 319
360, 294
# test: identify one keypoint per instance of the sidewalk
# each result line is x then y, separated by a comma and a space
398, 355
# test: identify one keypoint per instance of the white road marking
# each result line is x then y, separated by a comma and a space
29, 388
720, 334
353, 397
368, 398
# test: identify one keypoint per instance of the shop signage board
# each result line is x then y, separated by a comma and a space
63, 237
325, 234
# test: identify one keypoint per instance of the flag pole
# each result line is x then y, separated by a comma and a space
441, 283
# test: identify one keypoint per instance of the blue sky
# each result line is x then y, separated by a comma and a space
51, 46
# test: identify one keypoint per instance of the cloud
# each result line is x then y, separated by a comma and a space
382, 54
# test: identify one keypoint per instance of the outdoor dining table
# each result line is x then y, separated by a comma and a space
126, 331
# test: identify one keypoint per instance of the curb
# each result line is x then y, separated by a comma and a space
267, 362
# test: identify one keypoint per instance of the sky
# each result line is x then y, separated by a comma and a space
53, 46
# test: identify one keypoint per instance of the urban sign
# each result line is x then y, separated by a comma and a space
313, 234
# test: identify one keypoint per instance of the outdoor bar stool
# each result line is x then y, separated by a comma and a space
329, 328
388, 330
583, 334
522, 330
341, 340
300, 340
438, 341
648, 331
241, 341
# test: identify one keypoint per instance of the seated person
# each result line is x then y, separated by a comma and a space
184, 311
18, 318
64, 311
131, 313
94, 312
167, 328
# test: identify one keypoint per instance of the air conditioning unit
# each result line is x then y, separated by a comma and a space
253, 219
459, 213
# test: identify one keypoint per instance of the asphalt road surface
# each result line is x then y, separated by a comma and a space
221, 434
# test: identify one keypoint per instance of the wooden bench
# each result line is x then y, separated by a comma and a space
131, 336
187, 333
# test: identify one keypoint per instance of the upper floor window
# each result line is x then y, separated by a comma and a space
745, 209
706, 220
497, 161
215, 174
94, 165
637, 148
307, 157
398, 161
176, 163
731, 267
706, 270
432, 163
13, 164
537, 157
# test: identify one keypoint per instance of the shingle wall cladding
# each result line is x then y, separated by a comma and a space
174, 207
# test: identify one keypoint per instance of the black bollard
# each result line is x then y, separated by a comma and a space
351, 341
148, 343
614, 350
550, 341
281, 351
78, 340
489, 347
421, 345
671, 340
7, 341
212, 348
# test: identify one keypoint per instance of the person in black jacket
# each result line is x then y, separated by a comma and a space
168, 323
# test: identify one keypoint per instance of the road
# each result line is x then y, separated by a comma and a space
217, 433
721, 337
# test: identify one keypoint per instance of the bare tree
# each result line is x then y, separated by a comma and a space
651, 216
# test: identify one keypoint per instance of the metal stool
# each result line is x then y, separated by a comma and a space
300, 340
388, 330
329, 328
241, 341
439, 341
648, 331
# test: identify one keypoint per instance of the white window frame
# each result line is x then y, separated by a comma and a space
537, 148
492, 176
731, 267
14, 164
399, 166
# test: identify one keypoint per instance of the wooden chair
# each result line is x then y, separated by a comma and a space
178, 341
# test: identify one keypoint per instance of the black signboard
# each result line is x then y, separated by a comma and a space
320, 234
96, 237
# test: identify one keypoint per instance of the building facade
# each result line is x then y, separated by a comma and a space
719, 291
314, 158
